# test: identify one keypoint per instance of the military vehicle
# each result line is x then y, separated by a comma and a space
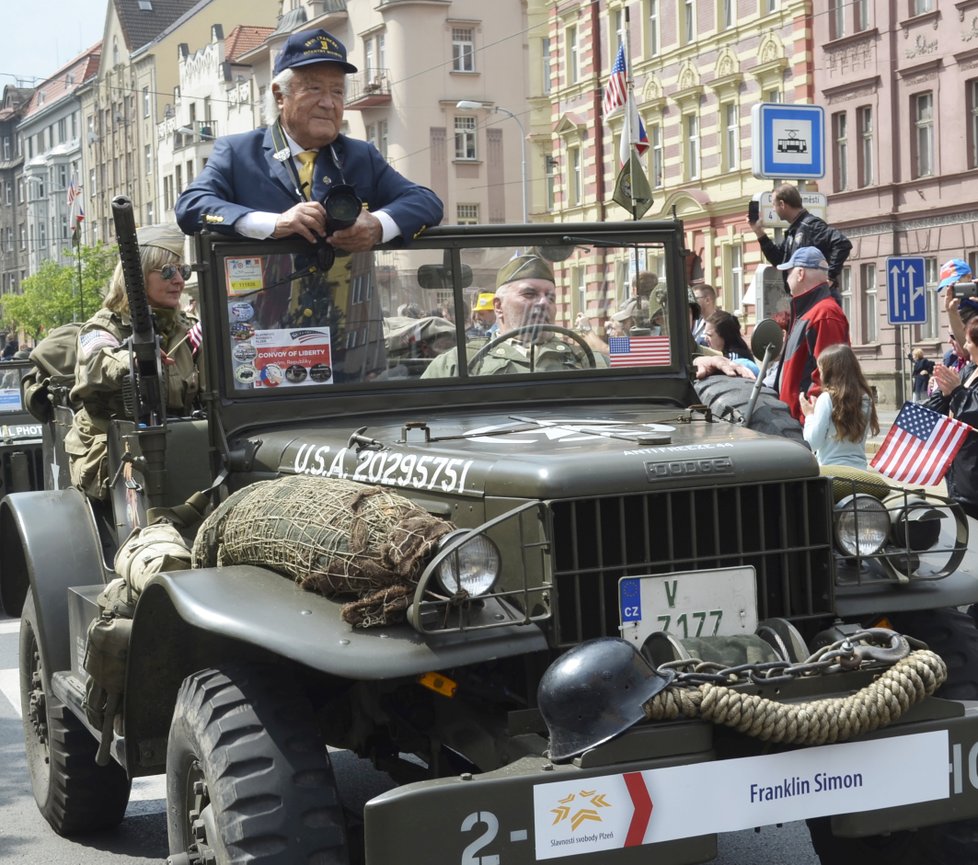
606, 532
21, 455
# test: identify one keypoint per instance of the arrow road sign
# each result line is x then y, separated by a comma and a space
905, 290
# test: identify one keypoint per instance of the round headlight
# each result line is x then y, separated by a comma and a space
862, 525
471, 567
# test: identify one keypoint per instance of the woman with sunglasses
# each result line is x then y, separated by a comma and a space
102, 361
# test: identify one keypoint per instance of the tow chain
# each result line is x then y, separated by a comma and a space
704, 690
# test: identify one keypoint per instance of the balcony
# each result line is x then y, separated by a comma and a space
194, 133
369, 88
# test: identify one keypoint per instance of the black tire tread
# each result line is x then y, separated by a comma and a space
268, 773
77, 796
728, 396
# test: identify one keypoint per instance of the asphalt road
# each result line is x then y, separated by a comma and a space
141, 838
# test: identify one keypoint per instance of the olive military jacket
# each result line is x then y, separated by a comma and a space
101, 366
506, 358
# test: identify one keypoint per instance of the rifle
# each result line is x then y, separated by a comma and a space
144, 394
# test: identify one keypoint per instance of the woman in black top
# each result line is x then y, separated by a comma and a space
958, 396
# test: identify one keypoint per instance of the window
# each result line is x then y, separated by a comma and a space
971, 97
8, 193
864, 119
919, 7
545, 54
42, 234
935, 302
922, 111
689, 22
574, 178
772, 95
691, 128
6, 147
467, 214
861, 10
146, 102
377, 135
845, 290
655, 142
550, 175
840, 152
734, 277
837, 18
465, 138
62, 177
570, 41
463, 50
731, 137
727, 13
148, 159
64, 227
652, 38
870, 325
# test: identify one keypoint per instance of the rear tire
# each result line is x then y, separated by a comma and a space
248, 778
728, 396
72, 791
952, 634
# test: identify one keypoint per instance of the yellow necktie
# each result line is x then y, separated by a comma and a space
307, 159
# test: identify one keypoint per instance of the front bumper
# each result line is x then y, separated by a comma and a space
675, 786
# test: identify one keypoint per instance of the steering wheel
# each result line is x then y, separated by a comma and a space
480, 355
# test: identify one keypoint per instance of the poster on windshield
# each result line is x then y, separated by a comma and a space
283, 358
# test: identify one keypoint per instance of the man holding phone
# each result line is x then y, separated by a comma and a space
804, 229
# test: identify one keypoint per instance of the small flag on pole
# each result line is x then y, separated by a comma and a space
73, 191
616, 88
195, 336
920, 445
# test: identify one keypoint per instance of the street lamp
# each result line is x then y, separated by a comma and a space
471, 105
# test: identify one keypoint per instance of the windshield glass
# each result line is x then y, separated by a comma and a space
10, 398
300, 320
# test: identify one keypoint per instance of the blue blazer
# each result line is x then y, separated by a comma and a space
243, 175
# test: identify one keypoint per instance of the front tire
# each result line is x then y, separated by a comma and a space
248, 778
952, 635
72, 791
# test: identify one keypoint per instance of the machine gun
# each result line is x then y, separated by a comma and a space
143, 392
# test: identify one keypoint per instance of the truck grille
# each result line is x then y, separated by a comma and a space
782, 529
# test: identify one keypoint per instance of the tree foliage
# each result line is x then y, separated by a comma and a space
50, 296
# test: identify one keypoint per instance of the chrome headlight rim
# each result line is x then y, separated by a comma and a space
861, 525
474, 556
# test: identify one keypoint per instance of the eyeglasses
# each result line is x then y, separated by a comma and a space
168, 271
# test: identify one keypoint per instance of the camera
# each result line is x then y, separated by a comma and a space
753, 210
342, 206
966, 289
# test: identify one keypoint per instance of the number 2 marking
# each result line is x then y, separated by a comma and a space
491, 823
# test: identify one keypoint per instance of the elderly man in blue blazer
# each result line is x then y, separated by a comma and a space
271, 182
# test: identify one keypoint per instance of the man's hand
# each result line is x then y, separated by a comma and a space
363, 235
706, 365
307, 219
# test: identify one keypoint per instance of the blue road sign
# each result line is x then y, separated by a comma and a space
905, 290
789, 140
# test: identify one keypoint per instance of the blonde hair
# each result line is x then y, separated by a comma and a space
152, 258
843, 380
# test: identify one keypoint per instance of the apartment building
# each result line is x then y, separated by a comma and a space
13, 213
899, 83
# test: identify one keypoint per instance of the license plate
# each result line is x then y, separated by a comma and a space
715, 603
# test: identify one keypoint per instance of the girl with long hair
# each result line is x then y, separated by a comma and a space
838, 421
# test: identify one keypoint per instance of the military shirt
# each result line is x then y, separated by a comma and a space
508, 357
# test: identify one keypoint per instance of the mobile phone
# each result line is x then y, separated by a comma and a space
753, 210
966, 289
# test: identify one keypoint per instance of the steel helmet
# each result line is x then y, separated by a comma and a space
594, 692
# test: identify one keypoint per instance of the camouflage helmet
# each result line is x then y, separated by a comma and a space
594, 692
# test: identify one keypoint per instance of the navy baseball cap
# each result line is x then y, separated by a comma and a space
806, 256
306, 47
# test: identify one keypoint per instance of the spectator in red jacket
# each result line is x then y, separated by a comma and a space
816, 321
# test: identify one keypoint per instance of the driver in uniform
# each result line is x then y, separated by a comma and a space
525, 300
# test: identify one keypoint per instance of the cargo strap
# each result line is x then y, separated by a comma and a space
880, 703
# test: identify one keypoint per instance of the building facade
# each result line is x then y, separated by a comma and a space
13, 213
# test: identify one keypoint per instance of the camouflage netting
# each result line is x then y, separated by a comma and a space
332, 536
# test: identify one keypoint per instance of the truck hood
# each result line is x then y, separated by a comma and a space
536, 454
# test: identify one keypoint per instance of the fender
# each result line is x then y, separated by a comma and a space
188, 620
36, 529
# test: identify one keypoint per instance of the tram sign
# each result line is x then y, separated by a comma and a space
789, 140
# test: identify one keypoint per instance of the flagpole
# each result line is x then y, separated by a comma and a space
627, 131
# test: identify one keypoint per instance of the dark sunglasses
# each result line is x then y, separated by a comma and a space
168, 271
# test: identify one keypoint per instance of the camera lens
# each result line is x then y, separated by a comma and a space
342, 206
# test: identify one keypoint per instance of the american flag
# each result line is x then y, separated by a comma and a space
195, 336
615, 91
639, 350
920, 445
73, 191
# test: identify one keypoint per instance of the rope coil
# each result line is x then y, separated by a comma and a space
819, 722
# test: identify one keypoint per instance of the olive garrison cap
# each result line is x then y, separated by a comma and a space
524, 267
166, 236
